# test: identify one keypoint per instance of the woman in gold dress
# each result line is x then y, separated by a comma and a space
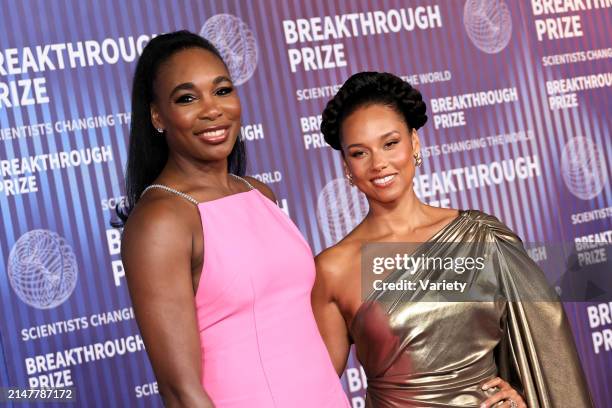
510, 346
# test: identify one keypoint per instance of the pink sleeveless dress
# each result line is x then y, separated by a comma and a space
259, 339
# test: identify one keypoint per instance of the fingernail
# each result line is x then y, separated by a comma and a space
484, 387
483, 405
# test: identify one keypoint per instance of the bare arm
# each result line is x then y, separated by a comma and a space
156, 252
327, 314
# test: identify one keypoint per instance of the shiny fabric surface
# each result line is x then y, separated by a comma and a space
420, 353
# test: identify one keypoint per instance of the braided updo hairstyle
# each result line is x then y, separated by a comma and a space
368, 88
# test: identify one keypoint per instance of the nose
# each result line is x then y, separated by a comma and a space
209, 110
379, 162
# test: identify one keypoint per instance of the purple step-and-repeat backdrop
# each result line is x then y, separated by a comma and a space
519, 101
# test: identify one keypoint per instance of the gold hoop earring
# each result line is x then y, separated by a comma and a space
418, 160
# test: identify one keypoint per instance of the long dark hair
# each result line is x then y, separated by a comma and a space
148, 150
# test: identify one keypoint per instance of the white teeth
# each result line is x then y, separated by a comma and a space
383, 180
214, 133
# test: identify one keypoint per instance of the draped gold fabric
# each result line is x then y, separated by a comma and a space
438, 353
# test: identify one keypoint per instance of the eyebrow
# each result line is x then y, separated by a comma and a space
191, 85
381, 137
220, 79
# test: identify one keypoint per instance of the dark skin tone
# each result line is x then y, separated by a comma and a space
378, 150
163, 246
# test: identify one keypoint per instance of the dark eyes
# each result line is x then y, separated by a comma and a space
224, 91
391, 143
388, 145
187, 98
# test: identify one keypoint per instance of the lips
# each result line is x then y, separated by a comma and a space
384, 181
213, 135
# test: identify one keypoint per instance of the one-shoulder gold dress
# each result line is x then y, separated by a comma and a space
438, 353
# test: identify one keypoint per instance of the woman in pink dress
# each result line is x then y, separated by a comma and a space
219, 277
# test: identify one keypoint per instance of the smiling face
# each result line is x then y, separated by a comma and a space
196, 105
378, 150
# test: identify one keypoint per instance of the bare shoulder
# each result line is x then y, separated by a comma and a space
446, 214
334, 263
441, 217
263, 188
158, 216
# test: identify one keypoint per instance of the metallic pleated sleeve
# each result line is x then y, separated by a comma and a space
537, 352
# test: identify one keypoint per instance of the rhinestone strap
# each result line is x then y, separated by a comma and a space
187, 196
243, 180
171, 190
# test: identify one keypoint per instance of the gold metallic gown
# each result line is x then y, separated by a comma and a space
438, 354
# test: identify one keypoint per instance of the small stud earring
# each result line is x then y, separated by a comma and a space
160, 130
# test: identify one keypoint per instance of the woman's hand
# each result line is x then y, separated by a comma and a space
506, 397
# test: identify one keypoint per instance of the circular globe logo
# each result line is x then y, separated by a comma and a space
583, 167
42, 269
235, 42
340, 208
488, 23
